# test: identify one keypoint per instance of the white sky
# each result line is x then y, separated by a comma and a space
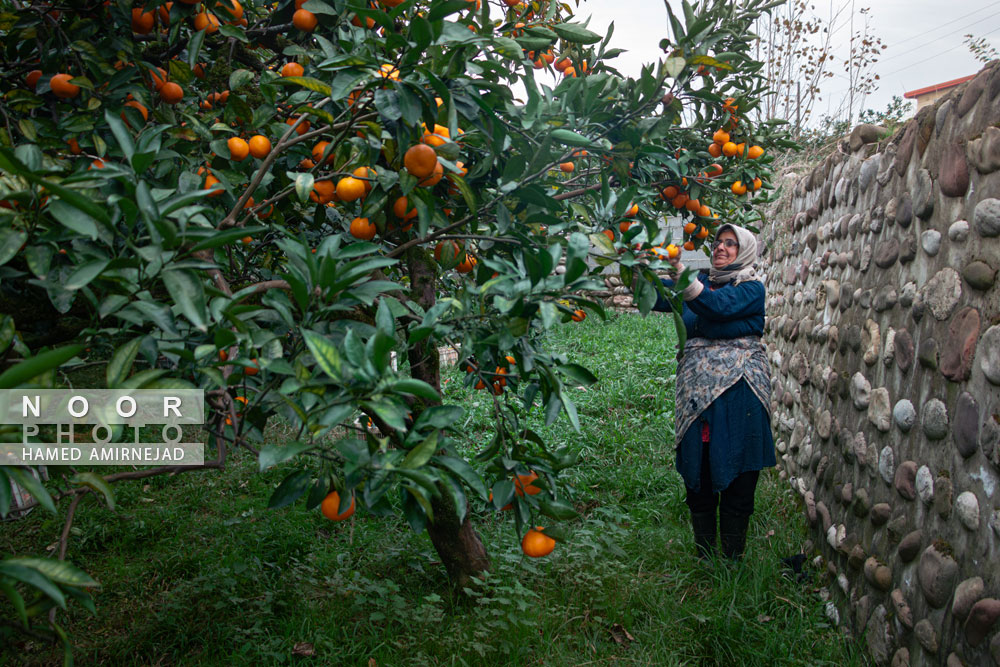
924, 39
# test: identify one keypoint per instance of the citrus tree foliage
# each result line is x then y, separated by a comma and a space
228, 196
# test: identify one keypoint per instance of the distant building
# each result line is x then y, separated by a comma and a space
931, 94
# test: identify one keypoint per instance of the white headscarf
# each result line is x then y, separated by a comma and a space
744, 267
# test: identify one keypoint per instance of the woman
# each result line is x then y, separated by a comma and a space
723, 393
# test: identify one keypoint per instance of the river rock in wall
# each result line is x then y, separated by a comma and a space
942, 293
953, 174
937, 573
960, 345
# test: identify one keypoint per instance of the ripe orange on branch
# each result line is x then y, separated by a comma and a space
330, 507
62, 88
260, 146
292, 69
536, 544
363, 228
420, 160
171, 93
304, 20
238, 149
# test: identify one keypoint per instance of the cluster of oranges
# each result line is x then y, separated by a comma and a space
499, 377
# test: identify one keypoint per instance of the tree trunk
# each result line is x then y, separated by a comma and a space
457, 543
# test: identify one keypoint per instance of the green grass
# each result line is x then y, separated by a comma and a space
196, 570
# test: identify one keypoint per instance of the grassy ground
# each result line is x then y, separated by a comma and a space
196, 570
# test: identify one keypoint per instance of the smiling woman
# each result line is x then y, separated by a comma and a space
723, 393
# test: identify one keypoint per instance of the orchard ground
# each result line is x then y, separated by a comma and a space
195, 569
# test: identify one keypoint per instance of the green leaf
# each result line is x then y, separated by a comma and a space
10, 163
465, 472
234, 32
121, 133
304, 185
573, 32
578, 374
674, 66
20, 373
7, 332
240, 78
58, 571
32, 577
439, 417
73, 218
325, 353
10, 243
121, 362
291, 489
188, 292
422, 453
85, 273
417, 388
16, 600
570, 138
226, 237
576, 256
557, 509
98, 484
307, 82
273, 454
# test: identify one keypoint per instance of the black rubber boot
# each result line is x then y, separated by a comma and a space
705, 533
733, 534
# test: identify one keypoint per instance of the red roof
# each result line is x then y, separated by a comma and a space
936, 87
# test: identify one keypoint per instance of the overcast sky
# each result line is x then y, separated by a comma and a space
923, 38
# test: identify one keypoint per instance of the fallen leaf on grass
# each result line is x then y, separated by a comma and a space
303, 648
620, 634
763, 618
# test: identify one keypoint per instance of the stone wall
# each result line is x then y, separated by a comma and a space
884, 337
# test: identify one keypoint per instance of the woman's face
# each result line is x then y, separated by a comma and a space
726, 249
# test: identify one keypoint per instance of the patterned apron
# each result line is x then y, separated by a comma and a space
711, 366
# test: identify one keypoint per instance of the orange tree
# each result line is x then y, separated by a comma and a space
293, 206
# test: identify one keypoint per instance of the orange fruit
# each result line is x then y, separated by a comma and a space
757, 184
350, 189
307, 164
32, 78
729, 149
689, 245
579, 315
318, 150
207, 22
139, 107
610, 234
212, 183
692, 205
567, 167
738, 188
158, 75
680, 200
438, 137
74, 146
673, 251
704, 211
252, 370
536, 544
523, 484
755, 152
741, 148
399, 208
293, 69
624, 226
247, 240
171, 93
714, 149
714, 170
323, 191
632, 211
447, 249
62, 88
302, 128
702, 233
238, 149
330, 507
389, 71
259, 146
199, 69
363, 228
420, 160
164, 12
366, 175
689, 227
670, 192
465, 266
304, 20
223, 355
720, 137
96, 164
231, 9
434, 178
142, 22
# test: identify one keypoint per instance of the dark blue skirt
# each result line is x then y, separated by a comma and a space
740, 439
